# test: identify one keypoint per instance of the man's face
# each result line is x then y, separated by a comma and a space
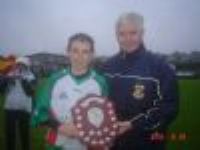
80, 54
129, 36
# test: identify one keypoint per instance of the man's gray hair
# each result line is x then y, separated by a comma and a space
132, 17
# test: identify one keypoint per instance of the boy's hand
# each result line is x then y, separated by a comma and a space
68, 129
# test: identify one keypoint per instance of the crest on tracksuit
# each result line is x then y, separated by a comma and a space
138, 91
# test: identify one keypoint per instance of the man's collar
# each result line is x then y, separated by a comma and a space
132, 55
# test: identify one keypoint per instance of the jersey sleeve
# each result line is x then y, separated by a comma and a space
41, 104
42, 113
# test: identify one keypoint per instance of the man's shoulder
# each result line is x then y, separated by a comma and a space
113, 59
154, 58
111, 62
158, 61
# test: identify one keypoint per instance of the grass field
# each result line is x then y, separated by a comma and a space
187, 121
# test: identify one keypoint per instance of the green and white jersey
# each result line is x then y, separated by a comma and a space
60, 93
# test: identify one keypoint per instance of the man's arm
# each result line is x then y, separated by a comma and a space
160, 115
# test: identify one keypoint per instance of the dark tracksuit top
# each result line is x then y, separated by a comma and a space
144, 90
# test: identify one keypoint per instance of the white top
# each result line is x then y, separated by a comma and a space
16, 99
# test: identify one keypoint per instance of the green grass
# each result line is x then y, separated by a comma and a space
1, 123
187, 121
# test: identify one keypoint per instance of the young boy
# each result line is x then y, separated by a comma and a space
61, 92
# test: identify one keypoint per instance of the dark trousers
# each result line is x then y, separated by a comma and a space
137, 141
17, 121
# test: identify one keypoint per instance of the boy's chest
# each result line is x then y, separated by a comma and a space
67, 93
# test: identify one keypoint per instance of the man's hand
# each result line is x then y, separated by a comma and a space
124, 126
68, 129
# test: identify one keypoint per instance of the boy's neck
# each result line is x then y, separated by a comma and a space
79, 71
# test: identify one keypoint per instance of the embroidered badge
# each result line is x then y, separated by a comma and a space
138, 91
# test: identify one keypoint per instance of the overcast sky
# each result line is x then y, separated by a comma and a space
30, 26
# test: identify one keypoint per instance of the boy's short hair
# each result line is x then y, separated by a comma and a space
82, 37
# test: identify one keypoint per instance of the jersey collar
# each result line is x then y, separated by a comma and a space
80, 78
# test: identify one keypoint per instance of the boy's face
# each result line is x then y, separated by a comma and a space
80, 54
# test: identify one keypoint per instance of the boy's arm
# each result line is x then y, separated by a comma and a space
42, 115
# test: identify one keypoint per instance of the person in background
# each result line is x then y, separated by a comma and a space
18, 88
143, 88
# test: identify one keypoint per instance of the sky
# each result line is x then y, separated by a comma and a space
32, 26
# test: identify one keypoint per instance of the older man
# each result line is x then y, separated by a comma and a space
143, 87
